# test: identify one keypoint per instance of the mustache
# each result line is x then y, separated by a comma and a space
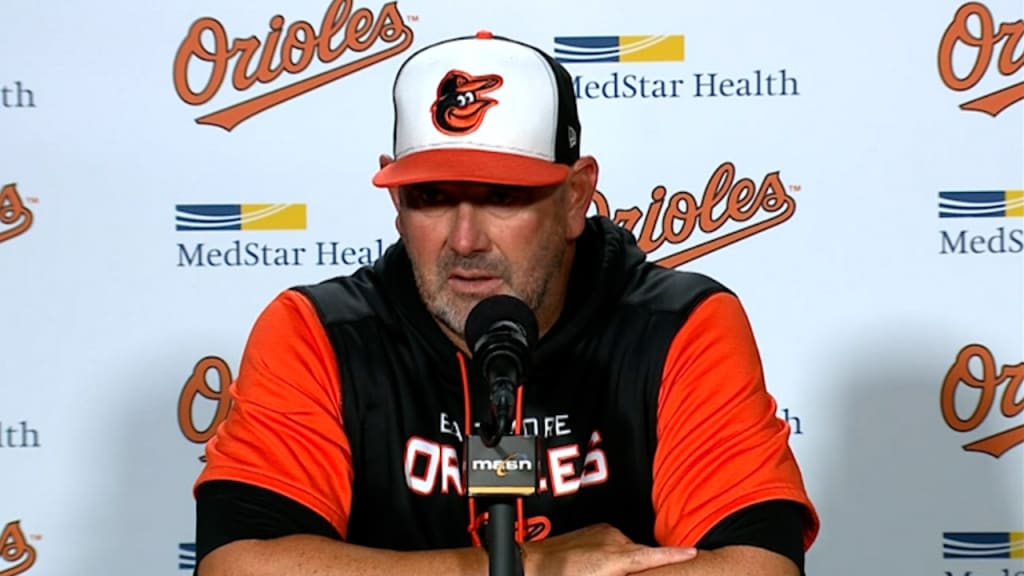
482, 263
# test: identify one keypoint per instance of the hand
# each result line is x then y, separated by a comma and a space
598, 550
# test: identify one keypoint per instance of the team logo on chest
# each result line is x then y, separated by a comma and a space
434, 466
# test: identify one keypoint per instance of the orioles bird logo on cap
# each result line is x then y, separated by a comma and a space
461, 102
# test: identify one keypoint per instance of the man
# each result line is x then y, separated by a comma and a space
661, 451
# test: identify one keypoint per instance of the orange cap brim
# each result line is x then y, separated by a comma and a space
450, 165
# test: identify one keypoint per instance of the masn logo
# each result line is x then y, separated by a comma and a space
205, 399
982, 545
207, 58
501, 467
15, 217
731, 209
982, 206
239, 217
17, 556
974, 31
985, 388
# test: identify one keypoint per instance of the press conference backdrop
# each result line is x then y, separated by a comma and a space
854, 171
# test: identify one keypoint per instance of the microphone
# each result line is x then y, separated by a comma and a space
501, 331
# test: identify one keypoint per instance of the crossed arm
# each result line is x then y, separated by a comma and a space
595, 551
244, 530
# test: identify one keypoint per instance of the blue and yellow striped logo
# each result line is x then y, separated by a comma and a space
209, 217
186, 556
983, 545
662, 48
982, 204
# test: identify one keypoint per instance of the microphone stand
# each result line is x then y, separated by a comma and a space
502, 467
503, 554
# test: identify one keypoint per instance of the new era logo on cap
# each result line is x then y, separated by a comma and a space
484, 109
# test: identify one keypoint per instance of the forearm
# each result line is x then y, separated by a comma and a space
318, 556
730, 561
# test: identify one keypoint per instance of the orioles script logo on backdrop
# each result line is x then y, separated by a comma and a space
15, 551
987, 383
1007, 38
674, 218
251, 61
15, 217
198, 384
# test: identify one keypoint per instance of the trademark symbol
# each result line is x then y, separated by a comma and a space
35, 537
414, 18
794, 187
32, 199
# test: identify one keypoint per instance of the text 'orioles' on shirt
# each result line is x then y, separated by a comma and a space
649, 394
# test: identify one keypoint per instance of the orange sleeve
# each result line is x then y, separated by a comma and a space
284, 429
721, 446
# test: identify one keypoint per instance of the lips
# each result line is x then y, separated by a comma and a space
473, 283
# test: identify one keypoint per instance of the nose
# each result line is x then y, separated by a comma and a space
467, 235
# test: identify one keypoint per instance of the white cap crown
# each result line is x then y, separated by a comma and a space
502, 97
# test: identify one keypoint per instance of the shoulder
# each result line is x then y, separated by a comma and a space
657, 289
344, 299
641, 285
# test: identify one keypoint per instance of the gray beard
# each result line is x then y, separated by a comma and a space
451, 311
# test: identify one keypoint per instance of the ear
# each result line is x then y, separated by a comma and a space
582, 185
396, 200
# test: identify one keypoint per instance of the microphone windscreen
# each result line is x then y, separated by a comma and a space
499, 308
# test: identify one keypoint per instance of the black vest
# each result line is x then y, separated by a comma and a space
591, 397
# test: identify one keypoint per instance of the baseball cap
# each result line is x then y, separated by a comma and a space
482, 108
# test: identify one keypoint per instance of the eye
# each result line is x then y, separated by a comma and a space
465, 98
417, 198
500, 197
430, 196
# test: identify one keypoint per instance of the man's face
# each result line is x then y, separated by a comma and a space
469, 241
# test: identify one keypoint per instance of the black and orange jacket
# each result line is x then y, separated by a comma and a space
648, 395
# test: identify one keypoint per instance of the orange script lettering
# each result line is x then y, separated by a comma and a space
198, 384
15, 549
983, 44
250, 61
986, 384
673, 219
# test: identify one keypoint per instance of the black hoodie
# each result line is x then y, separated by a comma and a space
594, 385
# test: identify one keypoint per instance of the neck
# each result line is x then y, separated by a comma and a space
553, 301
